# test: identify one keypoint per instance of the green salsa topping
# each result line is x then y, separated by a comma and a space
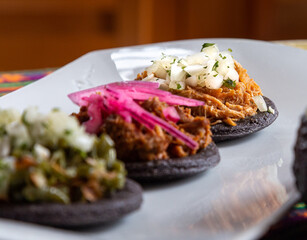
50, 158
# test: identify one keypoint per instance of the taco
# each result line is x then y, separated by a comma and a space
234, 103
154, 135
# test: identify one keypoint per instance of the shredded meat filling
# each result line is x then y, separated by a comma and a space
135, 142
224, 104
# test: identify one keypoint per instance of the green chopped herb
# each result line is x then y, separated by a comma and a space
227, 66
188, 75
178, 86
179, 61
205, 67
168, 72
215, 66
152, 61
183, 67
223, 57
163, 56
173, 61
215, 75
207, 45
229, 49
229, 83
67, 131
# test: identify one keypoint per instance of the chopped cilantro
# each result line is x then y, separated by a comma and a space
229, 83
188, 75
173, 61
215, 66
183, 67
207, 45
227, 66
179, 61
215, 75
229, 49
223, 57
67, 131
178, 86
168, 72
205, 67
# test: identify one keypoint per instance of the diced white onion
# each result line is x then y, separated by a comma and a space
232, 74
226, 56
210, 65
41, 152
157, 69
182, 62
212, 52
160, 81
149, 77
164, 86
202, 69
167, 61
197, 59
19, 133
223, 68
153, 68
271, 110
177, 85
195, 69
4, 146
214, 80
177, 74
261, 105
191, 81
8, 116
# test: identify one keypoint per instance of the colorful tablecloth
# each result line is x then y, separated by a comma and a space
11, 81
292, 226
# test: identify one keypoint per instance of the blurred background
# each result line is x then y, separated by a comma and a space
50, 33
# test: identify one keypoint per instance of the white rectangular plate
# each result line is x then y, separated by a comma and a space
239, 199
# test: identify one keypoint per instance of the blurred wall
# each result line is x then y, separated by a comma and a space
51, 33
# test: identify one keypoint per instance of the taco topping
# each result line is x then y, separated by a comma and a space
210, 76
50, 158
143, 127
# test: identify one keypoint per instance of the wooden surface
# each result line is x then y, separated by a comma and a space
51, 33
